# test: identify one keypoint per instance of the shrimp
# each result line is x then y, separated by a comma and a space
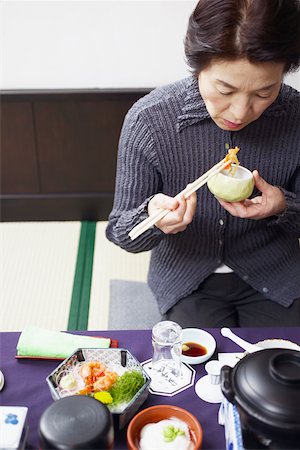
96, 377
91, 371
86, 390
105, 383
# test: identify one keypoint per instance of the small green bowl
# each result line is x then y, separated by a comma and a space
232, 188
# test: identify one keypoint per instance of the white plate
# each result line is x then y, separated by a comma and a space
278, 343
200, 337
208, 392
1, 380
231, 359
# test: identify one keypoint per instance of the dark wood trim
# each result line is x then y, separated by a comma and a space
80, 94
60, 207
140, 90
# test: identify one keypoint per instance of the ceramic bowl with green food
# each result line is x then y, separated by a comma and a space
164, 427
232, 187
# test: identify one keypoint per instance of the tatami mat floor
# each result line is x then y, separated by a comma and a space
37, 273
38, 263
111, 262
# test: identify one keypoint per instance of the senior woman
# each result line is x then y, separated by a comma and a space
215, 263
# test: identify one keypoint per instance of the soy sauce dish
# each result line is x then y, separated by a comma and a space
197, 346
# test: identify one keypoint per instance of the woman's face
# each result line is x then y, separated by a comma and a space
237, 92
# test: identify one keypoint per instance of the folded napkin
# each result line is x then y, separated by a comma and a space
38, 342
229, 417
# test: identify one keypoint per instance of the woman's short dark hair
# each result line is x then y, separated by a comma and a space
259, 30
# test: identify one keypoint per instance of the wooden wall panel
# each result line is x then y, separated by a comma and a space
19, 165
77, 144
59, 152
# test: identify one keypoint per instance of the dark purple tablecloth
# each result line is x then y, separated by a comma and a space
25, 383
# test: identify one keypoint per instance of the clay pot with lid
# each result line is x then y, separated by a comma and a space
265, 387
76, 422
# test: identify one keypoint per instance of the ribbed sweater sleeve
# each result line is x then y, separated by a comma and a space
289, 219
137, 180
288, 105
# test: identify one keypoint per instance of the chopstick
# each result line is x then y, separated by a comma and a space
187, 191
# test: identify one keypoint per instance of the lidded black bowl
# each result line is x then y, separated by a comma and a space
265, 387
76, 422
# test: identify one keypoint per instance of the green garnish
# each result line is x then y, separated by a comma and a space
170, 433
126, 386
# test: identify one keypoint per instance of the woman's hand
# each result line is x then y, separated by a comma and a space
271, 202
181, 212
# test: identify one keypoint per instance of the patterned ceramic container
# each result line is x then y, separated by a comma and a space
116, 360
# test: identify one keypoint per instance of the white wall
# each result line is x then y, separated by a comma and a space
94, 44
293, 80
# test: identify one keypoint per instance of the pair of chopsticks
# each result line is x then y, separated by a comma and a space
193, 187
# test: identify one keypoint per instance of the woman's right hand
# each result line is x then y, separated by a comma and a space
181, 211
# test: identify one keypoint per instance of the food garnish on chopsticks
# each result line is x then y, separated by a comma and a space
226, 163
232, 159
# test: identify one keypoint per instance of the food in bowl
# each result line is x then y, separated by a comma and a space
112, 376
93, 378
232, 186
197, 345
167, 434
193, 349
164, 427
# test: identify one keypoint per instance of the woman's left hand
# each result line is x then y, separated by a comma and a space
271, 202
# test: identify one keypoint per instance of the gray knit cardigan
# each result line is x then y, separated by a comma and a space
167, 141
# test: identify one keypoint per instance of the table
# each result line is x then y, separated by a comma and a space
25, 383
